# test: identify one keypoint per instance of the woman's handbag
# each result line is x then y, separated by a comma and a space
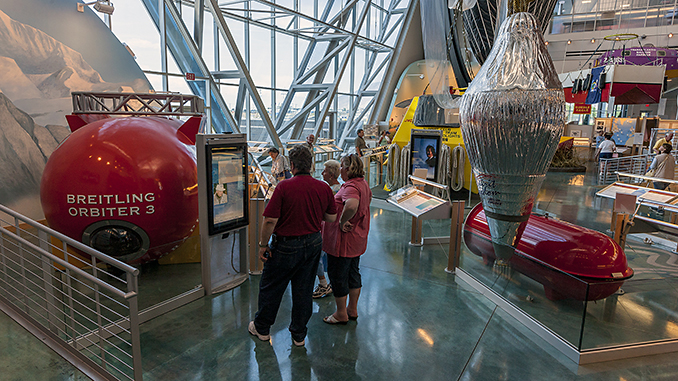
652, 172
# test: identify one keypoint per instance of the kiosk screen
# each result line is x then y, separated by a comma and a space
227, 176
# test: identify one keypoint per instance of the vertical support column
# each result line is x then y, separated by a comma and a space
416, 239
256, 221
366, 168
416, 236
48, 285
244, 254
456, 227
331, 133
208, 107
620, 229
132, 289
613, 221
198, 20
162, 18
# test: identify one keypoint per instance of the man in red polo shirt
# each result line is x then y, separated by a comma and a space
292, 221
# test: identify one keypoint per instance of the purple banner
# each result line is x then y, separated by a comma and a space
644, 56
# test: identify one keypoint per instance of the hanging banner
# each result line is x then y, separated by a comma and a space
596, 89
582, 109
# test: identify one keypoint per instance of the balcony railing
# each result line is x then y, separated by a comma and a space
650, 16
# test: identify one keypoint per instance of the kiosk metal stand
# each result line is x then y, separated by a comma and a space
224, 205
424, 206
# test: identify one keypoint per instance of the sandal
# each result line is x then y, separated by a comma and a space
352, 317
332, 320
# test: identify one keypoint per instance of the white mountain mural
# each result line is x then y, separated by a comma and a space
37, 75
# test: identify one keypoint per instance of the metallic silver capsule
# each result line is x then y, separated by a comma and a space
512, 116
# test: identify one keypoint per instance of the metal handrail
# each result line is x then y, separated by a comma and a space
624, 174
75, 311
610, 167
77, 270
71, 242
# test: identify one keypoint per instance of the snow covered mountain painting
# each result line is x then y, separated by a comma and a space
37, 75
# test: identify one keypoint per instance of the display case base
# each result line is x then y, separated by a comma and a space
579, 357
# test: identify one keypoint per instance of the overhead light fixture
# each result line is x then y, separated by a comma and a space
569, 42
593, 40
670, 35
546, 42
102, 6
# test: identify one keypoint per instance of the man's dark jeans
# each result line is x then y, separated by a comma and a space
293, 261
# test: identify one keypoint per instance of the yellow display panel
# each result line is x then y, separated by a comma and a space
451, 137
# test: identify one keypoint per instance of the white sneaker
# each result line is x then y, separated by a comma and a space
322, 291
253, 330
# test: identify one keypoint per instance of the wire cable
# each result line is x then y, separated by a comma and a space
443, 174
392, 166
458, 162
404, 168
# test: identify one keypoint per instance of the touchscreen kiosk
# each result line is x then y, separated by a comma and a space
223, 202
227, 178
425, 150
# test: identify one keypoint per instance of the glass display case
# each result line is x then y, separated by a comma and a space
558, 286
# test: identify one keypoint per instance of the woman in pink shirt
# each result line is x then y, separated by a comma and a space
346, 239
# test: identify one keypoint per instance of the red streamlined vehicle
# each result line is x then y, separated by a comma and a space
570, 261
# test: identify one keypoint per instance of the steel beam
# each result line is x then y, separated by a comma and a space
347, 56
235, 53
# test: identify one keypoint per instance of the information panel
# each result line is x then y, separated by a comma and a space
419, 203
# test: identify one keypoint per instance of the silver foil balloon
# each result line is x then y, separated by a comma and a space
512, 116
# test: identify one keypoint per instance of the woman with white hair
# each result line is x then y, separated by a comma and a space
330, 174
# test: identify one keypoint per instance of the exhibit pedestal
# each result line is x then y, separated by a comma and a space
257, 206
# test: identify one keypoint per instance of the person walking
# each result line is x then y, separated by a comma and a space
607, 147
664, 166
346, 241
292, 223
360, 145
330, 174
309, 143
280, 167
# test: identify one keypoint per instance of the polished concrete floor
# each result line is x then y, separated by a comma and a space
415, 321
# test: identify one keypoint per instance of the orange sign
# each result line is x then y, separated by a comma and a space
582, 109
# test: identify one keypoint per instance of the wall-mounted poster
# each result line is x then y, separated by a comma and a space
425, 150
47, 50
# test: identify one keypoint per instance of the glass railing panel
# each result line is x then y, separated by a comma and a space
644, 309
654, 18
632, 19
558, 24
552, 297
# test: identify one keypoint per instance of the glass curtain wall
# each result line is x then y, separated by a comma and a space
273, 38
